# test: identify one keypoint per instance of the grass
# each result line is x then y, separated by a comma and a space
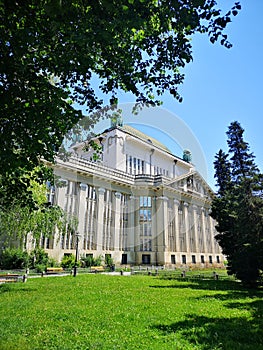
129, 312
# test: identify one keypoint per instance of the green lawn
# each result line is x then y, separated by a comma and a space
129, 312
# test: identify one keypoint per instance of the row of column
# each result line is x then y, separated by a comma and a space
160, 223
99, 230
160, 226
204, 235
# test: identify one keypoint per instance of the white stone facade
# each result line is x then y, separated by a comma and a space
138, 202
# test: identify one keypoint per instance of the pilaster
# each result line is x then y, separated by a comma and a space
117, 216
186, 222
162, 226
212, 228
176, 221
196, 238
203, 229
131, 223
82, 208
100, 211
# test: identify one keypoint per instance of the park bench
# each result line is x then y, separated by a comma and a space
11, 277
54, 270
97, 269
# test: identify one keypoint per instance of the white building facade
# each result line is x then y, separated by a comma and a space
138, 203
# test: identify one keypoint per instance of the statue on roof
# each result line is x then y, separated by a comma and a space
116, 119
187, 156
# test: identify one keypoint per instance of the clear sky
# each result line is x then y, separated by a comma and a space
222, 85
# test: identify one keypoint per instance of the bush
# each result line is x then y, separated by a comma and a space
68, 261
38, 257
53, 263
97, 261
40, 268
14, 258
90, 261
109, 261
87, 261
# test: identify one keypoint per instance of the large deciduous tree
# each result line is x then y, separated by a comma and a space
52, 49
238, 208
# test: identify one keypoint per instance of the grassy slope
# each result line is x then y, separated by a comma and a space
136, 312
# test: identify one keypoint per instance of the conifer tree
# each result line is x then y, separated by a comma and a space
238, 208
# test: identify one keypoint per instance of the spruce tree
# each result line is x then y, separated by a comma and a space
238, 208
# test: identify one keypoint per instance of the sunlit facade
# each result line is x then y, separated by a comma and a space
136, 202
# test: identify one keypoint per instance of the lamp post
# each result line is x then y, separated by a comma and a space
76, 257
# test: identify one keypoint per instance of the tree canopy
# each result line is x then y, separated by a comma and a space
238, 208
51, 50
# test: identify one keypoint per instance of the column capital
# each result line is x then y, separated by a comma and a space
163, 198
132, 198
83, 186
117, 195
186, 204
101, 190
176, 202
195, 207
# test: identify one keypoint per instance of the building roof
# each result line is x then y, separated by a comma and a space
146, 138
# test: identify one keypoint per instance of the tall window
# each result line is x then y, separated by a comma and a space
130, 164
145, 223
143, 166
134, 165
138, 166
50, 193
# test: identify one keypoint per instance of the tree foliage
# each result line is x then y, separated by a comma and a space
20, 221
238, 208
14, 258
51, 50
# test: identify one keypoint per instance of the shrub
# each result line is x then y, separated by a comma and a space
14, 258
40, 268
68, 261
87, 261
108, 260
53, 263
90, 261
38, 257
97, 261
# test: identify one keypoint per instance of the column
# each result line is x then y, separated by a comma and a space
186, 222
61, 200
197, 249
131, 223
136, 202
82, 208
203, 229
117, 215
100, 211
176, 224
212, 229
61, 194
162, 227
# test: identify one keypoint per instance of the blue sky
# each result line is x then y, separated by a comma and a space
222, 85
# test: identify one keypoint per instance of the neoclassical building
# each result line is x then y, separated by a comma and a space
136, 202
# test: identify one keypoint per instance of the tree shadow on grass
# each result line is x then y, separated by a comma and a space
209, 284
233, 333
13, 288
236, 333
231, 289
